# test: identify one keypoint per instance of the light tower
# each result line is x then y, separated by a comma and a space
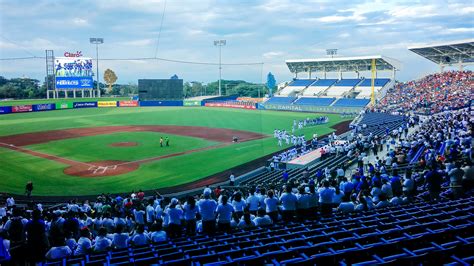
220, 43
97, 41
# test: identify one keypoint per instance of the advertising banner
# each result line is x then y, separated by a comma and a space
191, 103
307, 108
63, 105
22, 108
229, 105
128, 104
5, 110
73, 73
107, 104
44, 107
84, 104
161, 103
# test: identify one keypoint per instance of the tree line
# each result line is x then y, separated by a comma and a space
228, 87
27, 88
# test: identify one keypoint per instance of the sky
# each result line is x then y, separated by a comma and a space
256, 31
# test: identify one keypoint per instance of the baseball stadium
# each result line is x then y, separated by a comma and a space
360, 155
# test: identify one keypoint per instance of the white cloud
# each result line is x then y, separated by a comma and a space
340, 18
142, 42
80, 22
272, 54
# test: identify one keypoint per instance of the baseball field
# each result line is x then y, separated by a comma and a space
90, 151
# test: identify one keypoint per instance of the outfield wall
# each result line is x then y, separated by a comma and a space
60, 105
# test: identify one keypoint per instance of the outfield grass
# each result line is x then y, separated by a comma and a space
62, 100
49, 179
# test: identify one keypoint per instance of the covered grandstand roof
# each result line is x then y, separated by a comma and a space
343, 64
447, 53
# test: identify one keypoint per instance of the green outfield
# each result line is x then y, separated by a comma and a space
207, 157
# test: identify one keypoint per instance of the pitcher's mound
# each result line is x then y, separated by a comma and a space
101, 168
124, 144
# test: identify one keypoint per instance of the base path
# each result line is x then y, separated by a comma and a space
213, 134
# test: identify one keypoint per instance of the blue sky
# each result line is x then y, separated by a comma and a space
268, 31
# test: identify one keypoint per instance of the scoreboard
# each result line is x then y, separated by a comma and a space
160, 89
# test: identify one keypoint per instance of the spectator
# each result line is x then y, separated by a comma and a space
207, 208
224, 214
101, 242
326, 195
288, 204
157, 234
190, 211
59, 250
262, 219
140, 238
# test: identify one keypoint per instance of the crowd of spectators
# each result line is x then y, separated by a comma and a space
431, 94
387, 173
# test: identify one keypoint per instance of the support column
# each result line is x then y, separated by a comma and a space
65, 94
74, 93
309, 73
441, 68
461, 66
82, 93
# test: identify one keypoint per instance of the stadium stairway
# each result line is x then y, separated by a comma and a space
419, 233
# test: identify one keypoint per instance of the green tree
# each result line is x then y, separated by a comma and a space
110, 78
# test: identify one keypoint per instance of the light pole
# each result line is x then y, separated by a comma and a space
220, 43
97, 41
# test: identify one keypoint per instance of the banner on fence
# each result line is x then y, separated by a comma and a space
191, 103
5, 109
44, 107
22, 108
84, 104
128, 103
229, 105
101, 104
161, 103
63, 105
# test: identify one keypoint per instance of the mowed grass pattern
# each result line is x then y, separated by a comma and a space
49, 179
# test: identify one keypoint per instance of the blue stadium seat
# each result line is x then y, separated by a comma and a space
377, 82
347, 82
349, 102
301, 82
280, 100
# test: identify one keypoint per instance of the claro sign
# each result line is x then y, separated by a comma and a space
72, 54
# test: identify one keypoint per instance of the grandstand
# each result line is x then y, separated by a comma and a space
364, 91
296, 86
318, 87
349, 166
340, 95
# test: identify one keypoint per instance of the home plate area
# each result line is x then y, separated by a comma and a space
101, 168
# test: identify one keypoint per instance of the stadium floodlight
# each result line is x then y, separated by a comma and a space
220, 43
97, 41
331, 52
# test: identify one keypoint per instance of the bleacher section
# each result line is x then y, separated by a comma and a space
318, 87
314, 101
296, 86
280, 100
347, 102
365, 87
418, 233
342, 87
